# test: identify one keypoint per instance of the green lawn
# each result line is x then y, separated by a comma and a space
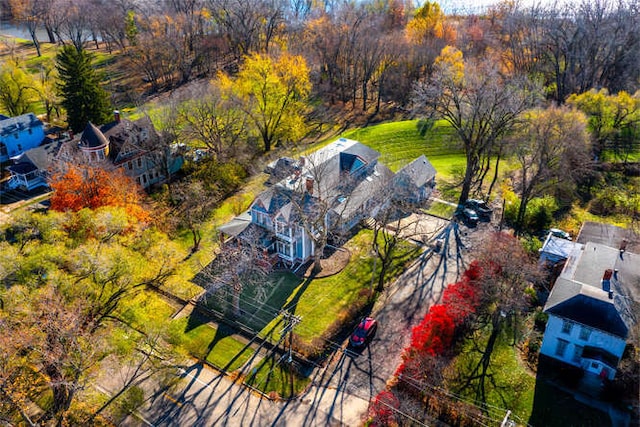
510, 386
273, 375
400, 142
204, 342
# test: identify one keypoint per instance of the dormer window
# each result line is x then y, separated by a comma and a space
356, 166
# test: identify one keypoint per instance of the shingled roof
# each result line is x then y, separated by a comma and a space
583, 295
92, 137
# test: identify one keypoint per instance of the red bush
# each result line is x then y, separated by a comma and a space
382, 409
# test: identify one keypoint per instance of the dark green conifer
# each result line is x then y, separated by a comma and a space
79, 86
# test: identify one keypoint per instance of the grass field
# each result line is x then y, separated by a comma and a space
509, 386
400, 142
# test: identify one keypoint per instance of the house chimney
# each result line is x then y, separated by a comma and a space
116, 116
309, 184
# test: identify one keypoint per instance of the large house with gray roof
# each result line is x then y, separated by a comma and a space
335, 187
131, 146
591, 305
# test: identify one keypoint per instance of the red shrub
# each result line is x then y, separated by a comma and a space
382, 409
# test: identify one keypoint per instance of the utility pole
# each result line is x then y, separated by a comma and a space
291, 320
506, 422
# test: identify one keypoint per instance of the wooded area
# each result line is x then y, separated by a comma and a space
539, 104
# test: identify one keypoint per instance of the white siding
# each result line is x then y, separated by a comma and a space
596, 338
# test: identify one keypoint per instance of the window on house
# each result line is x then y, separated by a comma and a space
138, 180
561, 347
567, 327
139, 162
585, 333
144, 178
129, 165
19, 147
284, 248
577, 353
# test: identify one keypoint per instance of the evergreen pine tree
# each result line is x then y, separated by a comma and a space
79, 86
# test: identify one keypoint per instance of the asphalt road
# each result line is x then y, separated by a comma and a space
341, 391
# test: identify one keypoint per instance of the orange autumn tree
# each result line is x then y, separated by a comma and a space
91, 187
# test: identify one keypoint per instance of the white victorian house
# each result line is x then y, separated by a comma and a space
590, 307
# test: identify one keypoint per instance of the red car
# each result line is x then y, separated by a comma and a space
364, 332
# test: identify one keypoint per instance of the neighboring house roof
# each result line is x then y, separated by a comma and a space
92, 137
609, 235
237, 225
40, 157
558, 247
587, 305
9, 125
582, 293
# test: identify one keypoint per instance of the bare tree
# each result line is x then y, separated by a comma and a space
214, 123
481, 104
29, 13
504, 272
394, 224
250, 26
239, 264
191, 205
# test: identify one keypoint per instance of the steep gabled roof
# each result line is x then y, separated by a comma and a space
583, 294
418, 172
587, 305
92, 137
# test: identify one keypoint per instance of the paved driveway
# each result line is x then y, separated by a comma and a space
341, 391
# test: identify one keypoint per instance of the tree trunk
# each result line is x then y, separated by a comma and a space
468, 178
50, 33
196, 239
237, 289
36, 42
495, 174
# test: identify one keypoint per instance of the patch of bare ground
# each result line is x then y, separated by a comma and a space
333, 264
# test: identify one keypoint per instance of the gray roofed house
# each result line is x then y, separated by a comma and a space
593, 305
30, 170
338, 186
415, 181
131, 146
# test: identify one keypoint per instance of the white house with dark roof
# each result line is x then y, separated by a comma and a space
590, 307
343, 182
19, 134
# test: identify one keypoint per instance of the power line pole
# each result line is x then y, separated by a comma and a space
506, 422
291, 321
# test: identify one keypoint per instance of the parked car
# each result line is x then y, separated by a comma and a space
364, 332
468, 216
560, 233
480, 207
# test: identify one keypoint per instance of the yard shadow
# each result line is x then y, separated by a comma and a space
555, 405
